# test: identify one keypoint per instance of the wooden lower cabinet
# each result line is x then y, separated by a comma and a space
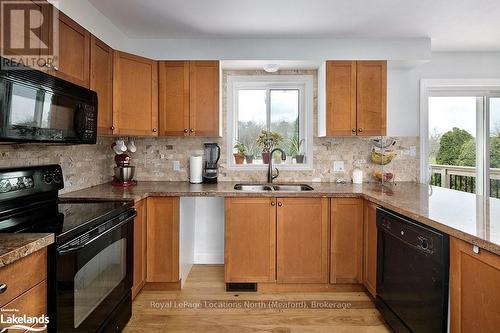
346, 237
302, 240
250, 240
162, 239
370, 247
26, 286
140, 241
474, 289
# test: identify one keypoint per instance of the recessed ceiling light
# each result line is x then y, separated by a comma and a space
271, 68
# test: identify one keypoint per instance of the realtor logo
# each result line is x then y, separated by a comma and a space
29, 34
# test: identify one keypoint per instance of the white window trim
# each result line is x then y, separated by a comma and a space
459, 87
305, 84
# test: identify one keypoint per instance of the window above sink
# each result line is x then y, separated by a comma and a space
280, 106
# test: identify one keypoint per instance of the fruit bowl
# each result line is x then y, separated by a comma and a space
383, 176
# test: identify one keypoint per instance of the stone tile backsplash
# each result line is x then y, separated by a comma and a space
89, 165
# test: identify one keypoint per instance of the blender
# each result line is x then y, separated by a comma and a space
211, 169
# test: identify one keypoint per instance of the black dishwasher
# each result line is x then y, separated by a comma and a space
412, 274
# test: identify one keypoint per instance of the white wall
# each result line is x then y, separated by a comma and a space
403, 89
187, 236
209, 231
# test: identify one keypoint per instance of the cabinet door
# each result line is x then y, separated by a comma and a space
139, 248
204, 98
101, 81
74, 52
162, 239
474, 289
346, 263
370, 247
302, 240
340, 98
174, 98
371, 91
135, 95
250, 234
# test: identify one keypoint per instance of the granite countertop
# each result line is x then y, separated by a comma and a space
17, 246
466, 216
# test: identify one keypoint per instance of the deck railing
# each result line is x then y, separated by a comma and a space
462, 178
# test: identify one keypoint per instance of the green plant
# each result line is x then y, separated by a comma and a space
268, 139
293, 146
241, 148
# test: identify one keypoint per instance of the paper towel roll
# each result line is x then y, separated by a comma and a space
195, 169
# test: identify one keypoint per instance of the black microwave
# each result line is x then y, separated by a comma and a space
38, 107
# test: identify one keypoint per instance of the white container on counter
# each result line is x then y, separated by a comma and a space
357, 176
195, 169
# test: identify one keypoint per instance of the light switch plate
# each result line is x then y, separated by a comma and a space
338, 166
413, 151
176, 165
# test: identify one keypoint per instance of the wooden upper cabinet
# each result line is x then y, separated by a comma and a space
371, 79
174, 98
474, 289
162, 239
140, 242
204, 98
341, 98
370, 247
189, 98
101, 81
346, 261
74, 52
356, 98
302, 240
135, 95
250, 240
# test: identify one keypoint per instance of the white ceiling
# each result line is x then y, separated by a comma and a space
453, 25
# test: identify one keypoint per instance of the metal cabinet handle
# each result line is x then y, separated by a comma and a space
191, 130
273, 203
186, 130
353, 130
3, 288
154, 130
280, 204
112, 128
360, 130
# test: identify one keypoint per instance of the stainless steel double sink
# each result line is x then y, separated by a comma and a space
272, 187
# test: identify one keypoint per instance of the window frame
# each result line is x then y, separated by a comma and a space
303, 83
483, 90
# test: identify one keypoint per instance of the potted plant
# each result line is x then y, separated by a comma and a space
266, 141
294, 149
249, 153
239, 156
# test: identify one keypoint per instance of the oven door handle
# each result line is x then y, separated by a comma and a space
66, 250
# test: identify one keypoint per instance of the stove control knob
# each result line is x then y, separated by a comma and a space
5, 186
424, 243
47, 178
57, 178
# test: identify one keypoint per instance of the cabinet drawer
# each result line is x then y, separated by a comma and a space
32, 303
22, 275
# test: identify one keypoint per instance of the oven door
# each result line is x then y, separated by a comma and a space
94, 275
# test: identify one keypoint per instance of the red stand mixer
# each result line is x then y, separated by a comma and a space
123, 171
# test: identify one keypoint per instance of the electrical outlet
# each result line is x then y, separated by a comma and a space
413, 151
176, 165
338, 166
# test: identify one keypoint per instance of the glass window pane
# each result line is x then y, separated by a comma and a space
285, 120
495, 147
252, 117
452, 142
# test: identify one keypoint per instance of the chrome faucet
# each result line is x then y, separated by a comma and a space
270, 175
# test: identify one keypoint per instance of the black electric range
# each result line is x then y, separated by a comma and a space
91, 263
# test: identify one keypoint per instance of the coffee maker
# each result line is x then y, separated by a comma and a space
211, 170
